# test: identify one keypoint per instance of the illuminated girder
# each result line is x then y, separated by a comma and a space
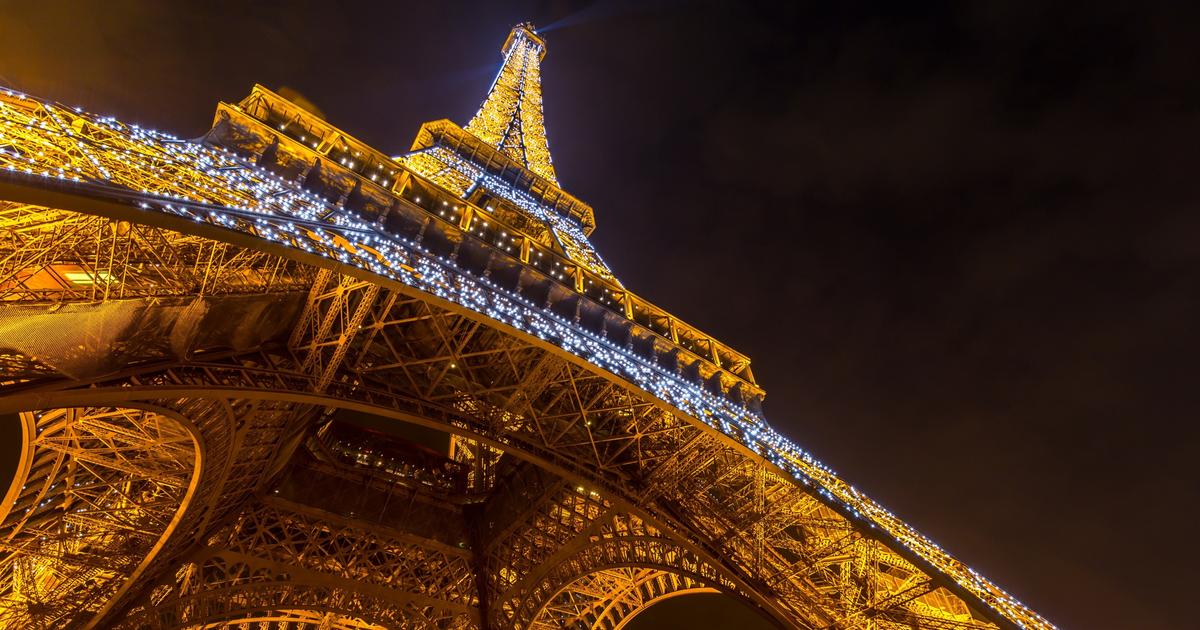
95, 492
641, 448
802, 522
278, 554
605, 599
511, 118
503, 152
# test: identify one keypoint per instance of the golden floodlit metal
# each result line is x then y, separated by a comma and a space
197, 337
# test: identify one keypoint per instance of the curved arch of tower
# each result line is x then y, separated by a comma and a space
275, 378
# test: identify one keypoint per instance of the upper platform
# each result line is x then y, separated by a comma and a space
492, 178
444, 134
512, 216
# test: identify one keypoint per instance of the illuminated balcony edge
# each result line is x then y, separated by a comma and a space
448, 135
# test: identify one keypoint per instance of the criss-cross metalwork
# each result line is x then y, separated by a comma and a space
97, 489
511, 118
188, 330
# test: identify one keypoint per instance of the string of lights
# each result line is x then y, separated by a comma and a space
566, 232
511, 117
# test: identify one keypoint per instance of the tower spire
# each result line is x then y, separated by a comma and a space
510, 118
502, 153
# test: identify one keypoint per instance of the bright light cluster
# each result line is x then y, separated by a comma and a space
511, 120
510, 117
566, 232
213, 186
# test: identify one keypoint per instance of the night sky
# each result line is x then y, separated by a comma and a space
959, 241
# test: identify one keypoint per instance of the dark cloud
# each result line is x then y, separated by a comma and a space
958, 239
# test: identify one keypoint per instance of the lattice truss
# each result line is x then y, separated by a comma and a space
524, 552
819, 565
573, 415
510, 117
460, 177
605, 599
765, 518
521, 555
136, 166
96, 490
332, 316
565, 557
53, 255
280, 560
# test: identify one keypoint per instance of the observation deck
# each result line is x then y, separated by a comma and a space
483, 234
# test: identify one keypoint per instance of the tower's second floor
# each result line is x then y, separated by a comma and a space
485, 197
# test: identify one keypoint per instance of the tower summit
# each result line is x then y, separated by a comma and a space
511, 117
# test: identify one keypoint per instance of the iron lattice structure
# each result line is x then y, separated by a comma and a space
186, 325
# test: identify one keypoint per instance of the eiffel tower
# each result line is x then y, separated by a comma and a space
275, 378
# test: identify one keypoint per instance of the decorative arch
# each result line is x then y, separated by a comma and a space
281, 560
97, 492
286, 599
623, 565
707, 476
609, 598
299, 619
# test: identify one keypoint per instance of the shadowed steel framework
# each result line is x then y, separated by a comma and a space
187, 327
